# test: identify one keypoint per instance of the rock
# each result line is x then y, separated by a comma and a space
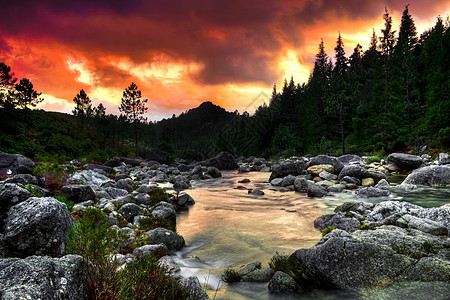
168, 263
22, 179
197, 170
367, 182
124, 185
411, 290
327, 160
194, 286
353, 171
256, 192
78, 193
156, 155
43, 277
157, 250
183, 200
405, 161
288, 180
285, 167
130, 210
431, 176
327, 175
12, 164
89, 177
392, 167
338, 220
429, 269
370, 192
384, 185
246, 180
135, 162
377, 175
222, 161
277, 182
245, 168
336, 188
348, 159
315, 190
115, 192
437, 214
249, 268
324, 183
36, 226
144, 189
444, 158
172, 240
104, 168
259, 275
425, 225
281, 283
349, 179
317, 169
362, 208
388, 208
351, 186
113, 162
165, 210
10, 195
214, 172
143, 198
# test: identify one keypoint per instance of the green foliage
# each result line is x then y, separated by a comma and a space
230, 276
348, 214
327, 230
288, 265
157, 195
152, 222
364, 226
31, 189
67, 202
375, 158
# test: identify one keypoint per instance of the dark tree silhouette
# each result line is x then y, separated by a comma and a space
7, 81
25, 95
133, 107
83, 105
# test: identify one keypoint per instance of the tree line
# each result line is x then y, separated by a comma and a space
393, 96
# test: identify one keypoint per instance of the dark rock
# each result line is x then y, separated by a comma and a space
348, 159
301, 185
256, 192
116, 193
36, 226
281, 283
183, 199
327, 160
22, 179
338, 220
121, 177
113, 162
185, 168
135, 162
405, 161
285, 167
143, 198
369, 192
11, 195
353, 171
315, 190
156, 155
130, 210
288, 180
349, 179
249, 268
214, 172
150, 251
78, 193
194, 286
172, 240
43, 277
123, 184
222, 161
431, 176
259, 275
15, 164
166, 211
246, 180
99, 167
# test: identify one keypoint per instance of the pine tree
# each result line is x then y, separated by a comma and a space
133, 108
83, 105
7, 81
25, 95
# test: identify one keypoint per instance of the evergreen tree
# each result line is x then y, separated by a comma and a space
100, 111
7, 81
25, 95
133, 108
83, 105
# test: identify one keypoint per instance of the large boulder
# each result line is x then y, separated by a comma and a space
37, 226
90, 177
11, 164
165, 210
193, 285
285, 167
10, 195
78, 193
43, 277
371, 192
348, 159
431, 176
338, 220
23, 179
327, 160
222, 161
282, 283
422, 224
353, 171
173, 241
156, 155
149, 251
405, 161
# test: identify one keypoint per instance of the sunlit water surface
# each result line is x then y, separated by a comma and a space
227, 227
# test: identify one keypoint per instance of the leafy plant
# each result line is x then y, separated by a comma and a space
157, 195
327, 230
31, 189
67, 202
288, 265
151, 222
230, 276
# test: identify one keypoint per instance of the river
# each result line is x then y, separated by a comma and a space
227, 227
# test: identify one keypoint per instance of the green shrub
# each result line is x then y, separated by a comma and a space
157, 195
151, 222
288, 265
327, 230
67, 202
230, 276
31, 189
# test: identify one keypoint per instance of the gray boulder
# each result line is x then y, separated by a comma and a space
214, 172
431, 176
282, 283
338, 220
78, 193
36, 226
285, 167
194, 286
315, 190
349, 179
43, 277
123, 184
327, 160
90, 177
383, 184
168, 263
13, 164
149, 251
386, 209
436, 214
142, 198
353, 171
327, 175
370, 192
222, 161
10, 195
22, 179
348, 159
444, 158
259, 275
166, 211
130, 210
288, 180
422, 224
172, 240
405, 161
104, 168
301, 185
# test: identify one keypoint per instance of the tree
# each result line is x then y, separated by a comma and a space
7, 81
83, 104
133, 107
100, 111
26, 95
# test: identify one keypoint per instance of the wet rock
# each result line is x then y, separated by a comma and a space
327, 160
42, 277
317, 169
249, 268
245, 168
285, 167
288, 180
166, 211
431, 176
327, 175
277, 182
36, 226
315, 190
194, 286
370, 192
353, 171
412, 290
78, 193
15, 164
281, 283
150, 251
367, 182
172, 240
336, 188
183, 199
405, 161
246, 180
214, 172
259, 275
349, 179
422, 224
301, 185
383, 184
222, 161
256, 192
168, 263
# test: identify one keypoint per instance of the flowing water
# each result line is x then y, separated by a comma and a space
227, 227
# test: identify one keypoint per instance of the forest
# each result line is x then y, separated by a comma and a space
393, 96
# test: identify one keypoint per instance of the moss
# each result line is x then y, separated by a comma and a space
327, 230
31, 189
67, 202
348, 214
364, 227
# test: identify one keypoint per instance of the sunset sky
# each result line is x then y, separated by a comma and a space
182, 53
